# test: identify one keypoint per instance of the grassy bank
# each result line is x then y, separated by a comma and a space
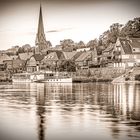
90, 79
6, 83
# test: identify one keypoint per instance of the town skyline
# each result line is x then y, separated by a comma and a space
19, 26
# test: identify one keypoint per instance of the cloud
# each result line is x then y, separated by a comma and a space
59, 30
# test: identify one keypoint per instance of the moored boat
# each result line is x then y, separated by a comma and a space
56, 77
27, 77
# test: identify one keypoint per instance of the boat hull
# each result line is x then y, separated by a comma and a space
27, 78
59, 80
21, 81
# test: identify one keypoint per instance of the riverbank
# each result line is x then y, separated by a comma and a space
6, 83
95, 74
89, 79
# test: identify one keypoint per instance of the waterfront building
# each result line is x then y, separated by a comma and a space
14, 57
107, 56
49, 62
94, 60
34, 62
127, 52
83, 60
15, 65
3, 61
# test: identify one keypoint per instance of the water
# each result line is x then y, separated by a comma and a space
87, 111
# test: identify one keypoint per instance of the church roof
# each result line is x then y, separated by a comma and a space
40, 23
40, 37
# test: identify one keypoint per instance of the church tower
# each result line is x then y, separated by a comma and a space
40, 42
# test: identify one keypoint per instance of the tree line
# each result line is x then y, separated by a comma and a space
130, 29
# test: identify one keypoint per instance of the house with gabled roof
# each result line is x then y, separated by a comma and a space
16, 65
135, 44
127, 52
94, 60
107, 55
14, 57
50, 61
68, 55
83, 60
4, 57
3, 60
34, 63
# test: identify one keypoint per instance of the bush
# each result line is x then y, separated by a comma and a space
137, 77
127, 79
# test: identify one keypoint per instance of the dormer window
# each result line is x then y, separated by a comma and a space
119, 48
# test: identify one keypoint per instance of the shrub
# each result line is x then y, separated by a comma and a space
127, 78
137, 77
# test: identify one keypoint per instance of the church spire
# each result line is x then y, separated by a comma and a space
41, 42
40, 23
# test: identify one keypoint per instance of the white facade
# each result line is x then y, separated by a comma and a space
83, 49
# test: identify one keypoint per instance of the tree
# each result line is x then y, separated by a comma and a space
49, 44
114, 33
111, 35
132, 28
67, 65
67, 44
26, 48
92, 44
80, 44
20, 50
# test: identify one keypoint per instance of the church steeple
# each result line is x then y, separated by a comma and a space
40, 23
41, 42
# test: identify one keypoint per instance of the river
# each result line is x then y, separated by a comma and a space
78, 111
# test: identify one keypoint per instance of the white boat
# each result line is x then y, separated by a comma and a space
27, 77
56, 77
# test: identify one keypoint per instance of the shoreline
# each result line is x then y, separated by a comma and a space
5, 82
87, 80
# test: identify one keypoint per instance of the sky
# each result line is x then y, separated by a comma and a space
63, 19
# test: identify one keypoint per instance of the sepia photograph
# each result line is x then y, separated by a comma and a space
69, 69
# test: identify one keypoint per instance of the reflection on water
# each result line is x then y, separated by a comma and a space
89, 111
